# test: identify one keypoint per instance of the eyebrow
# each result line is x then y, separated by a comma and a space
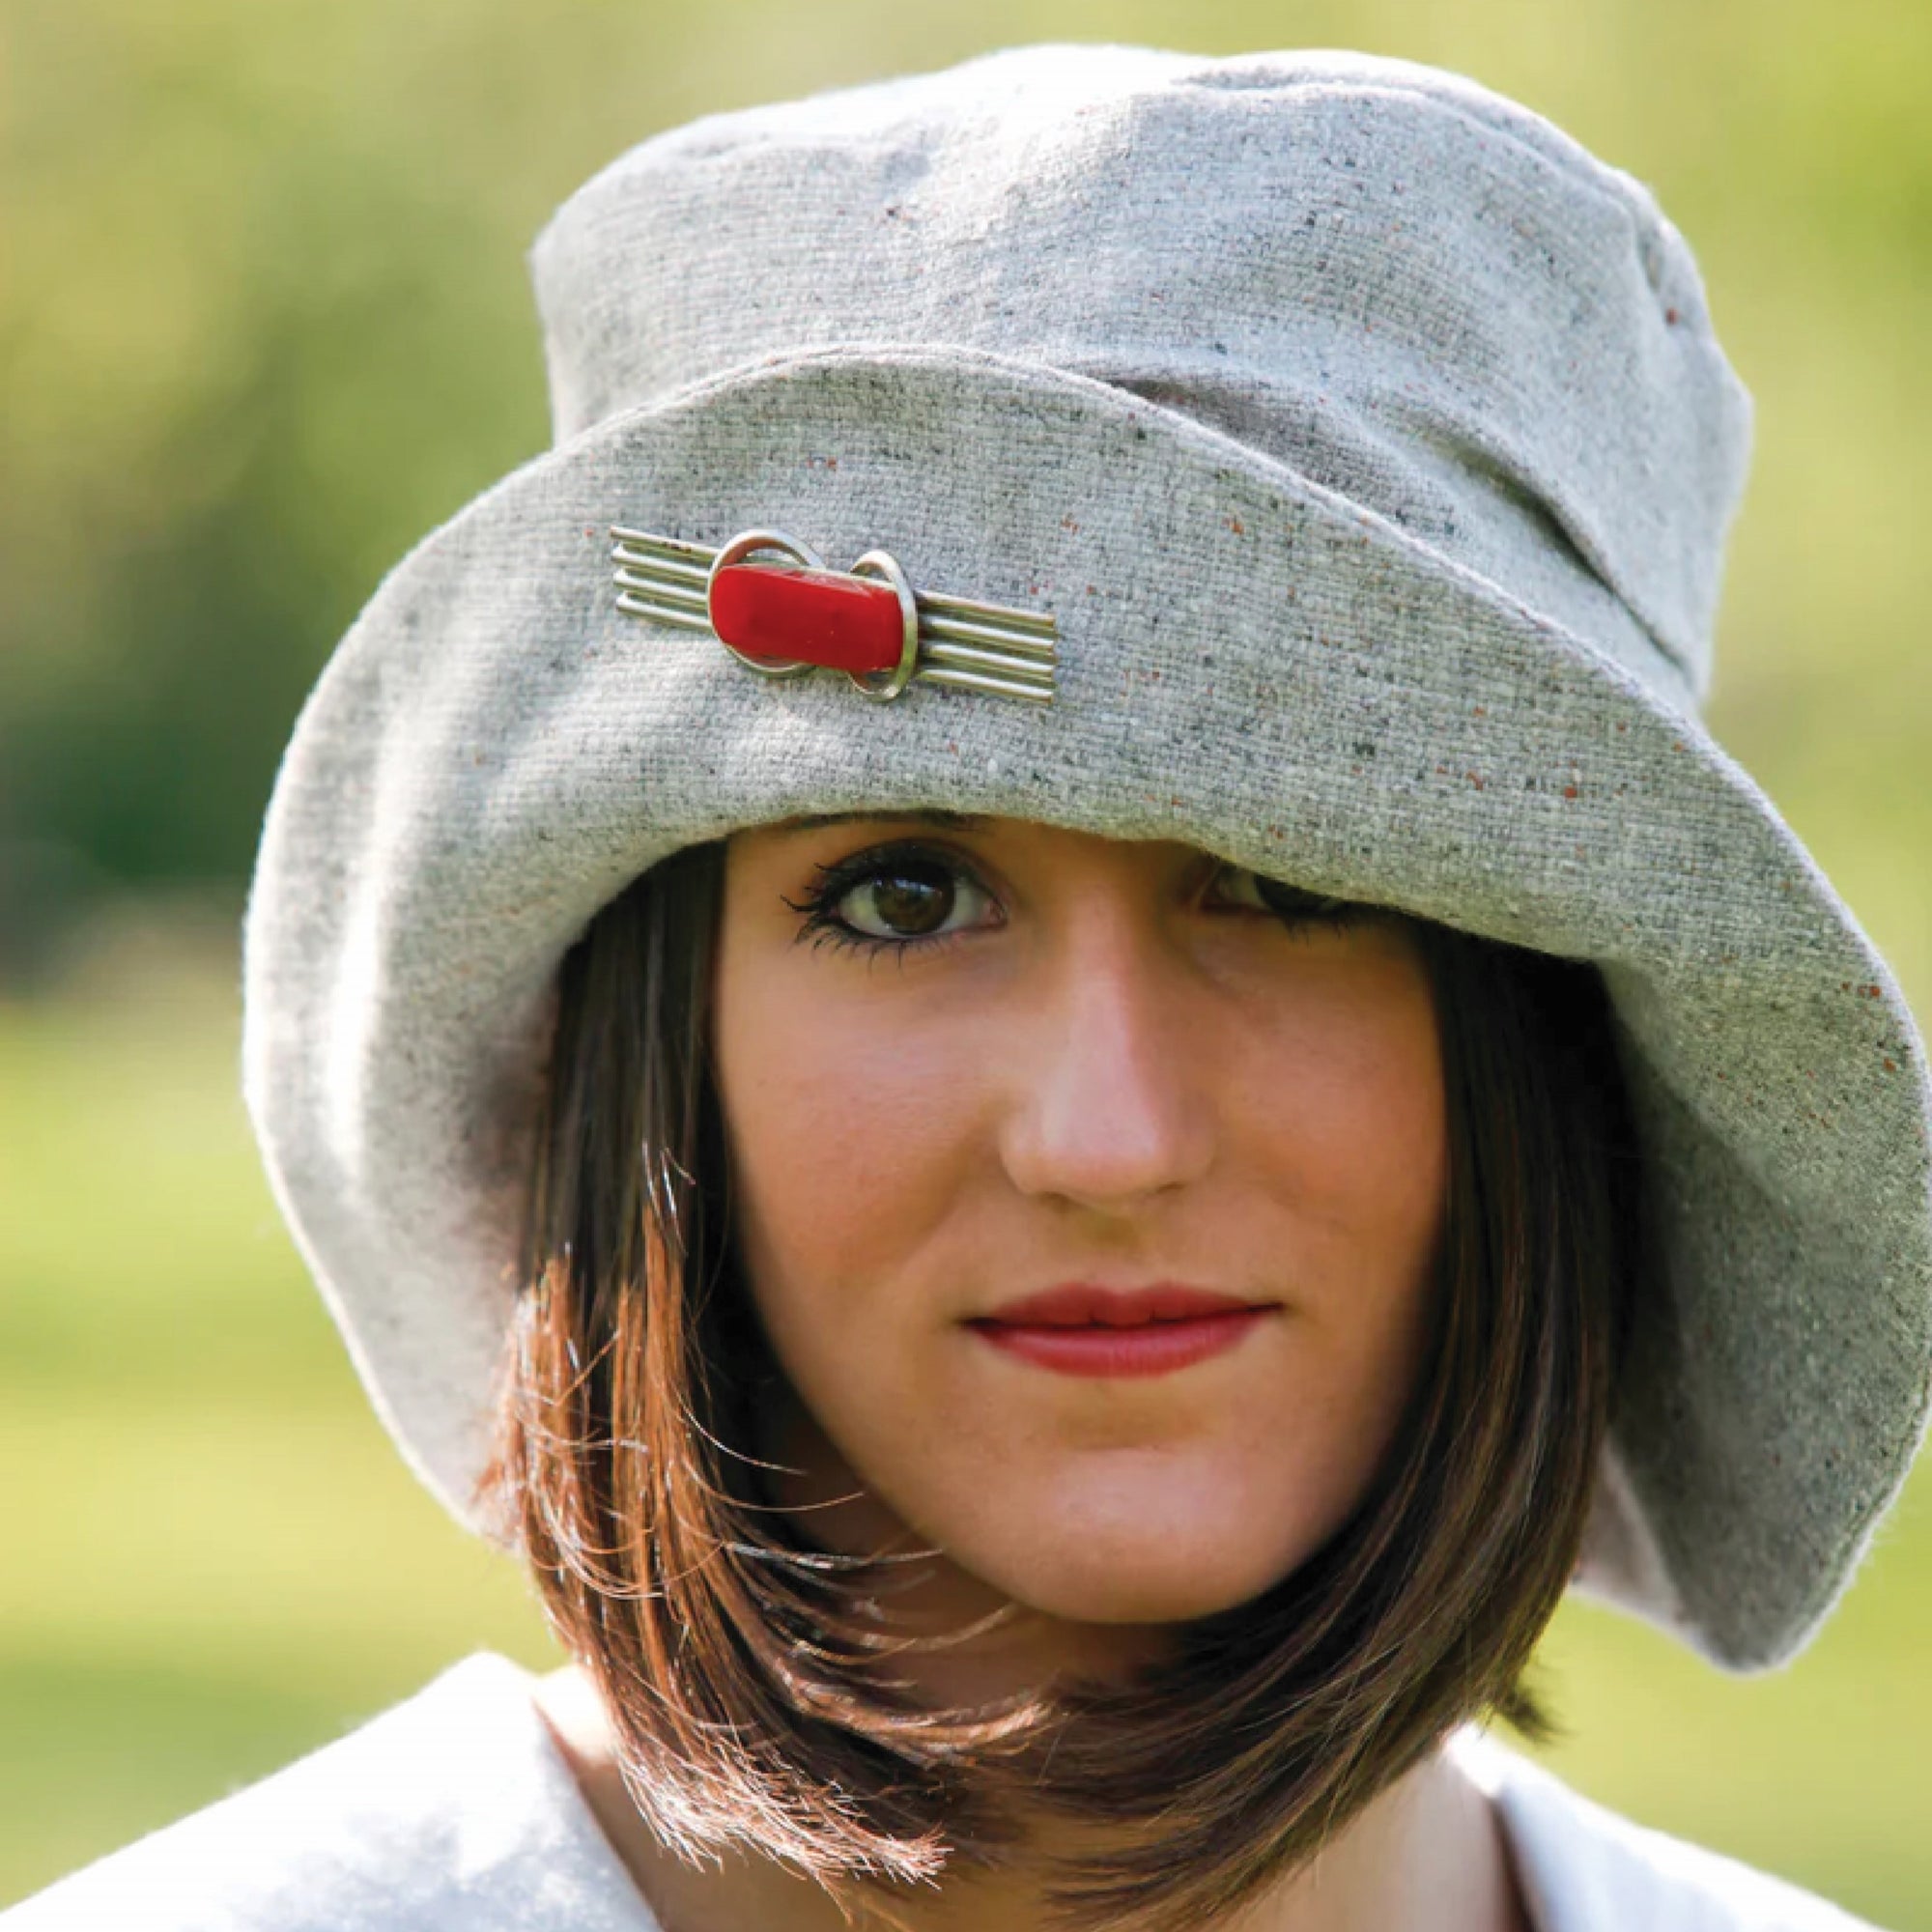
952, 821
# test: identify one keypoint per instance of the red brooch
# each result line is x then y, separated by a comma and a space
772, 604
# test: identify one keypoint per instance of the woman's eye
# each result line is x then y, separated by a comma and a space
896, 898
1239, 886
908, 903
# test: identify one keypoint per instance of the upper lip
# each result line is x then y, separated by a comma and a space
1081, 1304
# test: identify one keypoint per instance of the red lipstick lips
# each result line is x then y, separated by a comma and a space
1083, 1330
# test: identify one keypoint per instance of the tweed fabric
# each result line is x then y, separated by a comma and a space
1370, 442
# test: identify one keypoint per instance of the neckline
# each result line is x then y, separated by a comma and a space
1497, 1772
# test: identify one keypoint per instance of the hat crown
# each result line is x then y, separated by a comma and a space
1409, 290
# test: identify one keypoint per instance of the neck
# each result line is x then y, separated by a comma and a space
1426, 1853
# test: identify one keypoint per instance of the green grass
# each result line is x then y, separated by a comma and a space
214, 1561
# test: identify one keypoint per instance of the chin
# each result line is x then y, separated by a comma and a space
1158, 1572
1153, 1599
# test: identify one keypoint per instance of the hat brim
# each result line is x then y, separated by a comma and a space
1248, 662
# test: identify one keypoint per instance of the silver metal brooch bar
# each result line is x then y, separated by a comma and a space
969, 645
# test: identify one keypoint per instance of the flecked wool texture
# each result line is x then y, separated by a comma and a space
1368, 441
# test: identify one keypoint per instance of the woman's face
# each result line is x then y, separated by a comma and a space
965, 1063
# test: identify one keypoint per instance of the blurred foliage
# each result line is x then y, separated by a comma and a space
263, 322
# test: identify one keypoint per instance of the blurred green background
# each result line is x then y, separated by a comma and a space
263, 322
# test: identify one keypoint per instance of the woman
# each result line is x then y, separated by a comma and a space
1023, 1017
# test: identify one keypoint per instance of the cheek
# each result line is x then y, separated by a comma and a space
1336, 1160
851, 1133
1340, 1103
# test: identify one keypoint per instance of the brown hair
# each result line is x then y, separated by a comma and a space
741, 1665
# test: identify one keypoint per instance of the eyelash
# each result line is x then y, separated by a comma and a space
820, 923
1300, 908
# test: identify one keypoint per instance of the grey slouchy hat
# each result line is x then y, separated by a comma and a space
1367, 443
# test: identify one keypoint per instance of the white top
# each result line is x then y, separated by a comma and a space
455, 1813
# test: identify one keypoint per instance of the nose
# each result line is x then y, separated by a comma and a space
1112, 1101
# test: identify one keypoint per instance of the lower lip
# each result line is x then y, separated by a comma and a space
1150, 1349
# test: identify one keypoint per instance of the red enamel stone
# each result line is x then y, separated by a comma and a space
818, 617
